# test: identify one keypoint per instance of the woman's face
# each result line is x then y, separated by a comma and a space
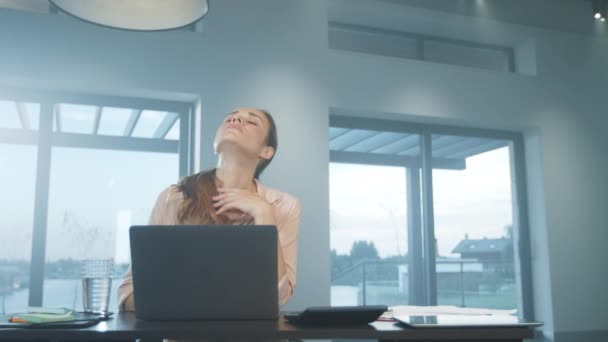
247, 129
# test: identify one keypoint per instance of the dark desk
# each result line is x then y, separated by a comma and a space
125, 327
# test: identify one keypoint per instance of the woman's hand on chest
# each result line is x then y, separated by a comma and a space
246, 201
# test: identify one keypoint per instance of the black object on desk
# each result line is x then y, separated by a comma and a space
336, 315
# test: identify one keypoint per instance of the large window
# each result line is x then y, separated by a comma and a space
78, 171
426, 215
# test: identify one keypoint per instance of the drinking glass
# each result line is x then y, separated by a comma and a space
96, 284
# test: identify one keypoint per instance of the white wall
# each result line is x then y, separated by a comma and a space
273, 54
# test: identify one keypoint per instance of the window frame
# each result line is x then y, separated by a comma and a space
421, 247
420, 40
45, 139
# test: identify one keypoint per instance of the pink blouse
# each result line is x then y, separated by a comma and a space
287, 211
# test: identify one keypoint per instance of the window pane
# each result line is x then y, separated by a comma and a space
75, 118
373, 42
33, 114
8, 115
114, 120
173, 133
465, 55
368, 234
95, 196
148, 123
18, 177
474, 224
369, 215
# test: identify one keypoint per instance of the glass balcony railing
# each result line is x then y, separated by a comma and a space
460, 282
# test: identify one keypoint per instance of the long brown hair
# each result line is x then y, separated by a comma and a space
198, 189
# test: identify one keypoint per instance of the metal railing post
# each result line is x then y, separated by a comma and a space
462, 283
364, 286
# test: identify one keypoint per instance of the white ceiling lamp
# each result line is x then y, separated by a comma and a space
139, 15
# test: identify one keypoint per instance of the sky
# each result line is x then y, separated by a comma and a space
369, 203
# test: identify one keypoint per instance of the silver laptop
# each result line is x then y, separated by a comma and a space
204, 272
465, 321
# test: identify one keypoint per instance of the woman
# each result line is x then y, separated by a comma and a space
245, 144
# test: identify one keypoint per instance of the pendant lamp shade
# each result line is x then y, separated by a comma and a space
139, 15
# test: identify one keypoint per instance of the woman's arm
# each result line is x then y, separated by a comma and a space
289, 227
268, 218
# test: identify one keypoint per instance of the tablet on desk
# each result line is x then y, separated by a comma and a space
336, 315
465, 321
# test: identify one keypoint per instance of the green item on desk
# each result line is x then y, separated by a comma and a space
46, 318
55, 311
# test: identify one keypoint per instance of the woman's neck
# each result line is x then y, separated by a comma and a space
236, 171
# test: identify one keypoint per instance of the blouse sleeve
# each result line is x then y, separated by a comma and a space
289, 227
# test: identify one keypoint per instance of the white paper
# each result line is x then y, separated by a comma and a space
411, 310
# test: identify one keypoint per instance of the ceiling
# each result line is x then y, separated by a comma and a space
574, 16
